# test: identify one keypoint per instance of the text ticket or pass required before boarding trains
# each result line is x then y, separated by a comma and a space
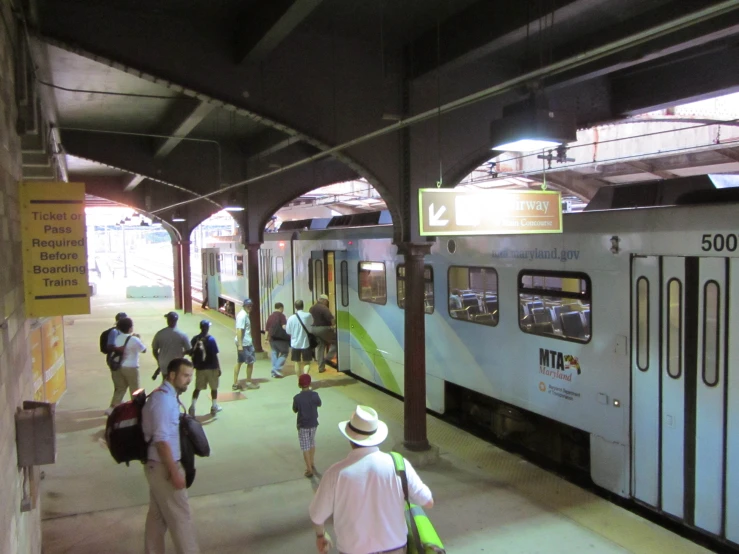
54, 249
488, 212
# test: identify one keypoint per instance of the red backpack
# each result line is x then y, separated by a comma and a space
123, 432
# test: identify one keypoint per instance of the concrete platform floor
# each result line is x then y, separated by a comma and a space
251, 496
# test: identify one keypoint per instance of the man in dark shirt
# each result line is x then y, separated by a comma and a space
306, 404
323, 329
204, 355
279, 340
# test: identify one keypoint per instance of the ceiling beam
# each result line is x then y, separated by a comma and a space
582, 186
644, 167
179, 123
266, 25
133, 182
729, 154
267, 143
675, 80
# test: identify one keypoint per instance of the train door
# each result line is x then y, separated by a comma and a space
266, 285
680, 312
343, 317
211, 277
323, 279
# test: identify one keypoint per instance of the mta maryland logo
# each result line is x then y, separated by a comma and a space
559, 365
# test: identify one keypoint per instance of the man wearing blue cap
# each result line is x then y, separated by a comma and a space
204, 355
244, 347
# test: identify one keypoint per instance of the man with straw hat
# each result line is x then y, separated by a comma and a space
364, 493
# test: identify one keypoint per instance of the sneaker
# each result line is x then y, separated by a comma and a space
277, 375
191, 411
252, 386
215, 409
108, 411
236, 387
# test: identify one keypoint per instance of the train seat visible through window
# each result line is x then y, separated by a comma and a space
572, 325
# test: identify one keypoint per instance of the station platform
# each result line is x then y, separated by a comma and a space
251, 495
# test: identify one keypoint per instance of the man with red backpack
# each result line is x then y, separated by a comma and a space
169, 507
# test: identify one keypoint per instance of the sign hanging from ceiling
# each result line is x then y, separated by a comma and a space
54, 249
488, 212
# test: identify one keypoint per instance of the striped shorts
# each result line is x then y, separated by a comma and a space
307, 438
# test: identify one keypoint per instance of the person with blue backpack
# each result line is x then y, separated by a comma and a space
204, 356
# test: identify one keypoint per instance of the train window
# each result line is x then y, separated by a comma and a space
239, 258
280, 270
219, 260
473, 294
555, 304
642, 323
428, 287
212, 264
711, 330
372, 282
674, 328
344, 270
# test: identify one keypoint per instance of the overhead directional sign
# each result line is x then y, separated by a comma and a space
488, 212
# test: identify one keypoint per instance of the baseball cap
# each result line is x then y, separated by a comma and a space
204, 323
304, 380
247, 302
172, 315
120, 315
323, 297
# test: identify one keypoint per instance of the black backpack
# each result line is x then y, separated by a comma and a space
114, 359
198, 351
104, 340
124, 433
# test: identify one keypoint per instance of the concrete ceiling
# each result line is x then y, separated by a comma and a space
234, 91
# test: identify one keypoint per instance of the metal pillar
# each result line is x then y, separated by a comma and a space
186, 277
253, 277
177, 274
414, 432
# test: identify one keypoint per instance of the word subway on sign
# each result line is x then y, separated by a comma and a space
488, 212
54, 249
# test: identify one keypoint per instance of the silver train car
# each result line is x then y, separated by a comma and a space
608, 348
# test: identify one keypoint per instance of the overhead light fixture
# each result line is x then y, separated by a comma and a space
177, 216
233, 204
532, 129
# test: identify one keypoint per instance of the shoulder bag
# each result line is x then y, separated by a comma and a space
422, 537
114, 359
312, 340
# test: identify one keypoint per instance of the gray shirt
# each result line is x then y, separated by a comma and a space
169, 344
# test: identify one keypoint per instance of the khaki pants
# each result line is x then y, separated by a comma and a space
124, 378
396, 551
168, 509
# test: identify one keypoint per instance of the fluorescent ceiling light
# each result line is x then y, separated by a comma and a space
177, 217
531, 130
233, 204
527, 145
234, 208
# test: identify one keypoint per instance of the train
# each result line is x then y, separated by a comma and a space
607, 348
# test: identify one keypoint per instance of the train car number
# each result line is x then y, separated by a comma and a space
719, 242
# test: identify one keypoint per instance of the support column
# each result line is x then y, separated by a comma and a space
254, 316
177, 274
186, 276
414, 432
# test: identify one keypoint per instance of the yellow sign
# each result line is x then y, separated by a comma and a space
55, 371
488, 212
54, 249
37, 364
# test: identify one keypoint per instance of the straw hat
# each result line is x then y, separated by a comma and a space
364, 428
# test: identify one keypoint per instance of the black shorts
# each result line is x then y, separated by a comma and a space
306, 354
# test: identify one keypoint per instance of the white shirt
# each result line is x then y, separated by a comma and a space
132, 350
298, 336
242, 322
365, 496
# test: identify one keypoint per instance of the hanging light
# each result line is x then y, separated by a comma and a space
531, 125
177, 216
233, 204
